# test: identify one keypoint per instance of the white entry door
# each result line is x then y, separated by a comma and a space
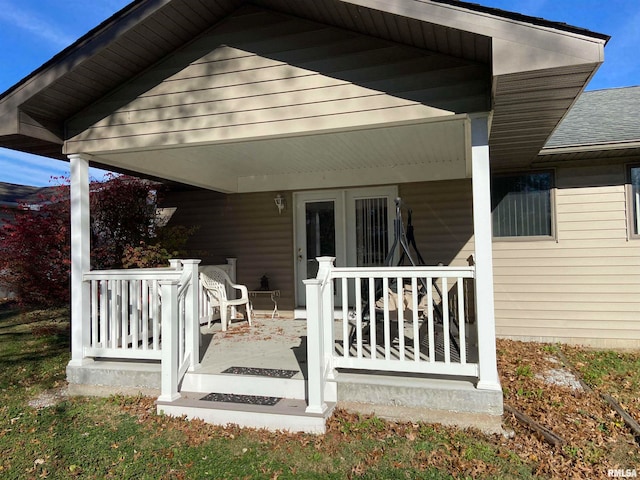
353, 225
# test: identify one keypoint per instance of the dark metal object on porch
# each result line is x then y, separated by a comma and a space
406, 242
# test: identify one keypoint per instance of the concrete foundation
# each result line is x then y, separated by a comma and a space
104, 378
453, 395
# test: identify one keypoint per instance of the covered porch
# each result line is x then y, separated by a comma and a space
419, 337
288, 373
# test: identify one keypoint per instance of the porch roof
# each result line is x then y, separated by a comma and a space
538, 67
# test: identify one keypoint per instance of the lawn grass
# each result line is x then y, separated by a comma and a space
122, 437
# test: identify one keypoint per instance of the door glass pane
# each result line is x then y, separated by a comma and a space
321, 233
371, 231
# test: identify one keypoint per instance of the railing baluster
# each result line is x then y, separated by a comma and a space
112, 313
416, 326
104, 314
358, 288
180, 321
136, 300
157, 315
372, 318
461, 322
387, 327
431, 321
346, 340
124, 309
445, 321
95, 322
145, 315
400, 307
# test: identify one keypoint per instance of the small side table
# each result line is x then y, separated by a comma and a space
274, 294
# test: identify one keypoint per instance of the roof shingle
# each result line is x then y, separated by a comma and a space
600, 117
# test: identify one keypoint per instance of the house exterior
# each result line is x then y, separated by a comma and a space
335, 109
580, 283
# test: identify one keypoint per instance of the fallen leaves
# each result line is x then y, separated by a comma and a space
594, 435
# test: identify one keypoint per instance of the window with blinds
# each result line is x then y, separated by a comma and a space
635, 199
372, 235
521, 205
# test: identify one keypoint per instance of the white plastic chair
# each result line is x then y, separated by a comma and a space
215, 282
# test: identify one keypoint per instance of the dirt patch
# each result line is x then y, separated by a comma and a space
48, 398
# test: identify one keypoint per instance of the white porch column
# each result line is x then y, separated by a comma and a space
80, 257
485, 318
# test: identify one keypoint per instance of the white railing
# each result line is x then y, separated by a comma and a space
126, 309
396, 319
180, 327
149, 314
126, 316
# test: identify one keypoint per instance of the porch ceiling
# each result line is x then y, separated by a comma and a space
434, 149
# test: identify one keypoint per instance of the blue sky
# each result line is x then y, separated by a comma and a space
32, 31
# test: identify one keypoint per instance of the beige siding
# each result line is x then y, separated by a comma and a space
245, 226
442, 219
259, 68
584, 286
248, 227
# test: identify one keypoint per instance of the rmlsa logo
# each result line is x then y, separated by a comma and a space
621, 473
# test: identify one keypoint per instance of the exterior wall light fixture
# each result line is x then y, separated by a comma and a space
280, 202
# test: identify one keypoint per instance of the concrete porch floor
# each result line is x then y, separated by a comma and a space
278, 344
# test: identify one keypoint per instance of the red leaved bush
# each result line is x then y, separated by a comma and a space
35, 242
35, 251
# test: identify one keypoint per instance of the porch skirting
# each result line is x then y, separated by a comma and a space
448, 402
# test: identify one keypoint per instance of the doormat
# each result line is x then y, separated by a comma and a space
261, 372
247, 399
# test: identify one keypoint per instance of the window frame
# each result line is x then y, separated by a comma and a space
632, 220
552, 203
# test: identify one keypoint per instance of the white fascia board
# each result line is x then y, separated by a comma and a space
590, 147
514, 57
536, 47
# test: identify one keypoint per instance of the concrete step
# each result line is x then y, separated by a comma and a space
286, 414
294, 388
451, 394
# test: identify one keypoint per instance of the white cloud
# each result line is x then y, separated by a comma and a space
33, 23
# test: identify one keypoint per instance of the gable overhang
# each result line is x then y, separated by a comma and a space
537, 70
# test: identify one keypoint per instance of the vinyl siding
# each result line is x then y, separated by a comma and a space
442, 218
263, 73
584, 285
247, 227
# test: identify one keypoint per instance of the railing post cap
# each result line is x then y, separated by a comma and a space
325, 259
312, 281
191, 261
